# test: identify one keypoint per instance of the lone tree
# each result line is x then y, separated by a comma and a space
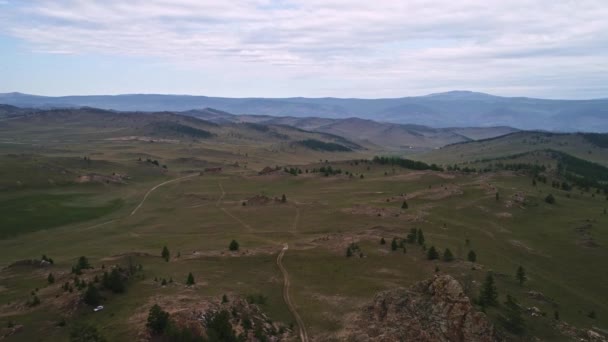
165, 253
91, 296
488, 296
512, 320
404, 205
472, 256
234, 246
349, 252
190, 280
382, 241
50, 278
394, 244
158, 320
420, 237
497, 197
432, 253
550, 199
520, 275
283, 199
447, 255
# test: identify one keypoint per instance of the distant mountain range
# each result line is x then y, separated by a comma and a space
450, 109
383, 136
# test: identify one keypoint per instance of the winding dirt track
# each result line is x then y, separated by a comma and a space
287, 298
156, 187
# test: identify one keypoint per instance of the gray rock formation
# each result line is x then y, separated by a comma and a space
431, 310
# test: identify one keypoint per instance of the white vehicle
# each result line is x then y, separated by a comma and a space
99, 308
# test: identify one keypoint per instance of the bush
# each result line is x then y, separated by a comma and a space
550, 199
85, 333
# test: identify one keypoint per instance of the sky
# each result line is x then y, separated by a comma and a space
311, 48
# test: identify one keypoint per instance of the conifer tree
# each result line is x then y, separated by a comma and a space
488, 295
420, 237
521, 275
472, 256
165, 253
432, 253
190, 280
447, 255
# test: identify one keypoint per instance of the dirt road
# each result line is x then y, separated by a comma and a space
286, 283
156, 187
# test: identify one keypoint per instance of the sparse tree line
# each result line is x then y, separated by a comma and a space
153, 162
405, 163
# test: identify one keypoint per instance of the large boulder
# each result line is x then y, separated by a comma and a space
433, 310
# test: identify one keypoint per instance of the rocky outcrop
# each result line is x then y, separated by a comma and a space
431, 310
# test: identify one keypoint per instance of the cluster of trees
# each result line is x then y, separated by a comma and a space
319, 145
511, 316
293, 170
47, 259
218, 327
81, 264
352, 249
433, 254
563, 185
328, 171
415, 236
405, 163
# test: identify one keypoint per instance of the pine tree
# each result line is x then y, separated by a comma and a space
394, 244
234, 246
349, 252
50, 278
190, 280
224, 299
283, 199
404, 205
497, 197
165, 253
512, 319
91, 296
447, 255
488, 295
382, 241
158, 320
420, 237
432, 253
412, 236
472, 256
521, 275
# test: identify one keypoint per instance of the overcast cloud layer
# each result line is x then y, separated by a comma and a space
345, 48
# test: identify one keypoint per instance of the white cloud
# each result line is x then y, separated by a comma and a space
364, 48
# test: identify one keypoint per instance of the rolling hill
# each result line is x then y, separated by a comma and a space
451, 109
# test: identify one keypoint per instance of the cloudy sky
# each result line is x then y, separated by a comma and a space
276, 48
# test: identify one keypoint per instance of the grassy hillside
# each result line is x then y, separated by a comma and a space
578, 145
95, 186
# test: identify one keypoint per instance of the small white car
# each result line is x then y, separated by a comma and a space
99, 308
